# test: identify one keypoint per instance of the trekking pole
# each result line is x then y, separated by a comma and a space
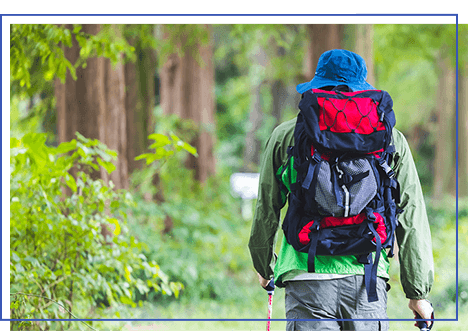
270, 288
422, 325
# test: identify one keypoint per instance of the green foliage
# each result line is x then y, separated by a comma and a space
181, 39
442, 216
18, 114
38, 44
198, 248
37, 57
164, 147
247, 56
39, 49
283, 45
73, 247
108, 43
413, 43
412, 86
208, 240
405, 63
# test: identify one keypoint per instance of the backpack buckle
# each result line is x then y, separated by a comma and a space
386, 168
316, 156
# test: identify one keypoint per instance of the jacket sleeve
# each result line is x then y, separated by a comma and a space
413, 233
269, 203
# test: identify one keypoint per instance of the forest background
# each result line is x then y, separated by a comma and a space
123, 139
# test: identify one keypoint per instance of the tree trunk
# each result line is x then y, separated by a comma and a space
187, 90
444, 168
322, 38
94, 105
463, 129
66, 97
114, 119
140, 102
280, 95
278, 91
135, 115
364, 39
252, 146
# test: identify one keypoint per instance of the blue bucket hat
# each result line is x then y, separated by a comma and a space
339, 67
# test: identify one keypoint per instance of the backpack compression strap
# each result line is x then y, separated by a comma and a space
370, 267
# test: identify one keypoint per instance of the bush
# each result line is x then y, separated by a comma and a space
206, 248
58, 248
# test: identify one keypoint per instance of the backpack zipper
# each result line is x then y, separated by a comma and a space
345, 189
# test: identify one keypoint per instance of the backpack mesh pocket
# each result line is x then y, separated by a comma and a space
345, 196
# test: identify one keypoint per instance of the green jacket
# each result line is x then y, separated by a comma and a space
413, 233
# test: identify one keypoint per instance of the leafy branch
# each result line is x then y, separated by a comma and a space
16, 305
165, 146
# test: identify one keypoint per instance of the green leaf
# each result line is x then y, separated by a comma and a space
81, 137
66, 147
158, 137
143, 156
112, 153
126, 300
162, 153
15, 143
77, 29
70, 182
15, 257
166, 289
161, 140
189, 148
14, 304
175, 287
117, 225
109, 166
174, 137
71, 69
128, 271
49, 75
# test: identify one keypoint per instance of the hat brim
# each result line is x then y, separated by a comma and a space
318, 82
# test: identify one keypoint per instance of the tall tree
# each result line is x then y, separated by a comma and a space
463, 112
139, 94
187, 90
463, 130
140, 101
444, 169
364, 46
94, 105
279, 90
252, 147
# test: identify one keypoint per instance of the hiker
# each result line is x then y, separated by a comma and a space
337, 288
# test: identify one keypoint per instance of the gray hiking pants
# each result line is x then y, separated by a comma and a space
342, 298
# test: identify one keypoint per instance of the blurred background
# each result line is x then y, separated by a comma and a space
124, 139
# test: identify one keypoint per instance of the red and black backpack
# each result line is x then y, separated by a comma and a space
343, 198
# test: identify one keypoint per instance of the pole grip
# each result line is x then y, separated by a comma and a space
422, 325
270, 288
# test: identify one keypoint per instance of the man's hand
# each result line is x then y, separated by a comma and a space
423, 308
263, 282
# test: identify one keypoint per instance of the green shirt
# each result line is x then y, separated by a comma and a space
413, 233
